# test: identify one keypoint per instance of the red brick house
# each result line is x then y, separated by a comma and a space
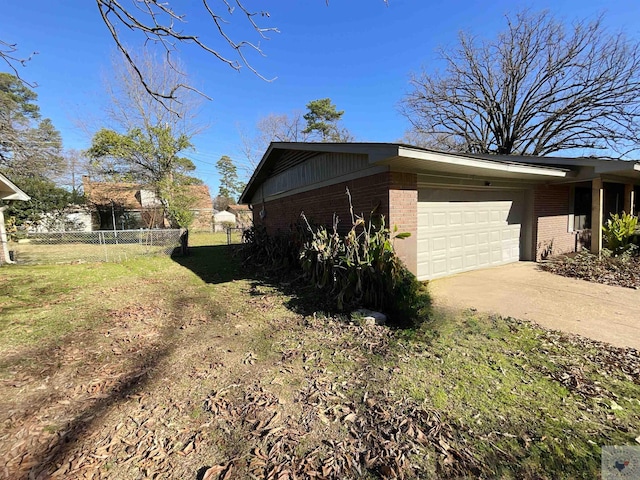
463, 211
243, 215
132, 206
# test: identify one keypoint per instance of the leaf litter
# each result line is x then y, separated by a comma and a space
322, 410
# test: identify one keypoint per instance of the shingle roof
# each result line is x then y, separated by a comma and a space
127, 195
105, 193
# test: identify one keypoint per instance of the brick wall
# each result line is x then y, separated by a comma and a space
391, 194
551, 219
403, 212
367, 194
203, 221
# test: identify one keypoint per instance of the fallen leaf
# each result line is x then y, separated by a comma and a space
350, 417
213, 472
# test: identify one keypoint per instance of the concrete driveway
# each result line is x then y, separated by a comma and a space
520, 290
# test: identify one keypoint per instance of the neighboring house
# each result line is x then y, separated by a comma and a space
125, 206
244, 217
463, 211
222, 220
8, 192
202, 207
74, 218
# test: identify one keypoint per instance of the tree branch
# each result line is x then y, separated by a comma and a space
159, 24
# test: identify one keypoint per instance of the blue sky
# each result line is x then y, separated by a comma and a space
359, 53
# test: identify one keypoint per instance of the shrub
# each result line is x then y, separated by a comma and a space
618, 232
277, 253
362, 269
359, 269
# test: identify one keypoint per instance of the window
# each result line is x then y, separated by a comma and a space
582, 208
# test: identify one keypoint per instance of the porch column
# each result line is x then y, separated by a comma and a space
4, 253
597, 207
629, 199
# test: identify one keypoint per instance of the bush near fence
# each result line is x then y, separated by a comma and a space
98, 246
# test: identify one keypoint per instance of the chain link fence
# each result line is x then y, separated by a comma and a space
234, 235
100, 246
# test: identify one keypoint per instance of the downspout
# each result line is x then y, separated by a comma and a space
3, 237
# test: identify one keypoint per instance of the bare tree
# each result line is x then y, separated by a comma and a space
76, 165
540, 87
8, 54
436, 141
285, 127
147, 140
130, 106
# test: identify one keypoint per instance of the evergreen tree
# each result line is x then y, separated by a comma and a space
230, 186
322, 120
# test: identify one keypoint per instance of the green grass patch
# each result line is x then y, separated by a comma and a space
530, 403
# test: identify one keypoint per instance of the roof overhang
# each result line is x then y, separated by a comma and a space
9, 191
399, 157
420, 160
627, 169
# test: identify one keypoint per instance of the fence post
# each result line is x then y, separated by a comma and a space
228, 235
184, 242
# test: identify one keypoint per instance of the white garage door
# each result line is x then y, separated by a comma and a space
460, 230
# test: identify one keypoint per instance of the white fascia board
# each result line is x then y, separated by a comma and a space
484, 164
17, 196
17, 193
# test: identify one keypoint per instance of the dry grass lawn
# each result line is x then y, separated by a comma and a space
192, 368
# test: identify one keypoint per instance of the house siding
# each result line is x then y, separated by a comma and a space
391, 194
551, 220
314, 170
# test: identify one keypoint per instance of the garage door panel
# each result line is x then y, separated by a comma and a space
439, 267
455, 219
470, 239
471, 260
439, 246
455, 241
470, 218
464, 230
456, 262
439, 219
496, 216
